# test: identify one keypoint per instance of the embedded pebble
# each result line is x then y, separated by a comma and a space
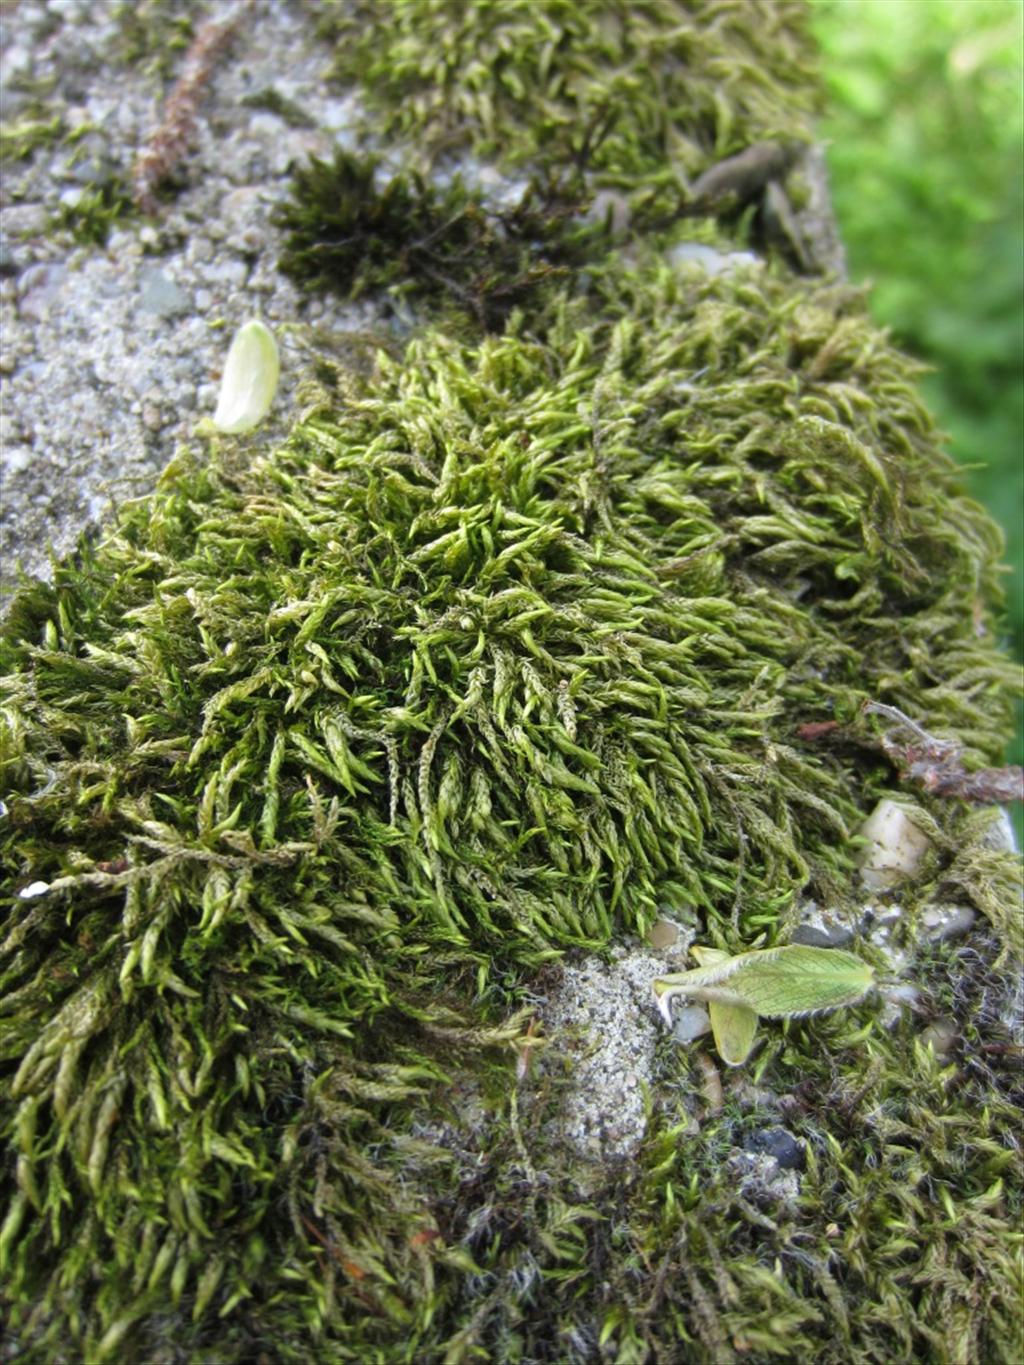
15, 458
690, 1022
896, 846
779, 1144
663, 934
25, 220
820, 928
231, 274
41, 287
940, 923
161, 296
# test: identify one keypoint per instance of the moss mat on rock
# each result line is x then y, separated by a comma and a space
319, 761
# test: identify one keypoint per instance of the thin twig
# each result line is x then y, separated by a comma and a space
168, 144
937, 764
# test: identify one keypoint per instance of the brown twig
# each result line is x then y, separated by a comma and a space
937, 764
168, 143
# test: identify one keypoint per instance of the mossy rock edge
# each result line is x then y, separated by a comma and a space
318, 763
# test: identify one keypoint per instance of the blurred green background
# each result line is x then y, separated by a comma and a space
926, 126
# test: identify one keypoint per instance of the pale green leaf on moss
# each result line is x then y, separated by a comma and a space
768, 983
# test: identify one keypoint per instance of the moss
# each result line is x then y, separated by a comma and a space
90, 219
326, 753
275, 103
437, 246
20, 139
152, 34
656, 89
321, 750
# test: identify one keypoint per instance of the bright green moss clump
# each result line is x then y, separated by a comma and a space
643, 89
318, 762
319, 752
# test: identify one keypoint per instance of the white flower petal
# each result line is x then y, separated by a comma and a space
250, 379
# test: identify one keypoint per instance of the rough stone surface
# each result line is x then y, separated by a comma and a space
940, 923
87, 332
603, 1024
823, 928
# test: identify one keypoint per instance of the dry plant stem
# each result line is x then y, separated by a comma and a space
744, 175
169, 142
937, 764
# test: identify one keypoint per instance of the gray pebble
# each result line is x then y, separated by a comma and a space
229, 274
160, 296
9, 266
940, 923
40, 286
26, 220
199, 249
16, 458
94, 171
823, 936
780, 1144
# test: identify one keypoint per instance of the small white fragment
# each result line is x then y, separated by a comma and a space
251, 373
34, 889
691, 1022
709, 258
896, 849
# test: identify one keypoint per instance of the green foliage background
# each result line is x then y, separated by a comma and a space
926, 124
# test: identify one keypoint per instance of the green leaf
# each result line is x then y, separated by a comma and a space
770, 983
734, 1028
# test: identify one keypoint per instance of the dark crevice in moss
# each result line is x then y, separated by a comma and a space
347, 235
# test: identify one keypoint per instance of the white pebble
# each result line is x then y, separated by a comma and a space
690, 1022
33, 889
896, 848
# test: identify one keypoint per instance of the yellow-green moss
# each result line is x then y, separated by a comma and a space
320, 750
325, 753
645, 89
